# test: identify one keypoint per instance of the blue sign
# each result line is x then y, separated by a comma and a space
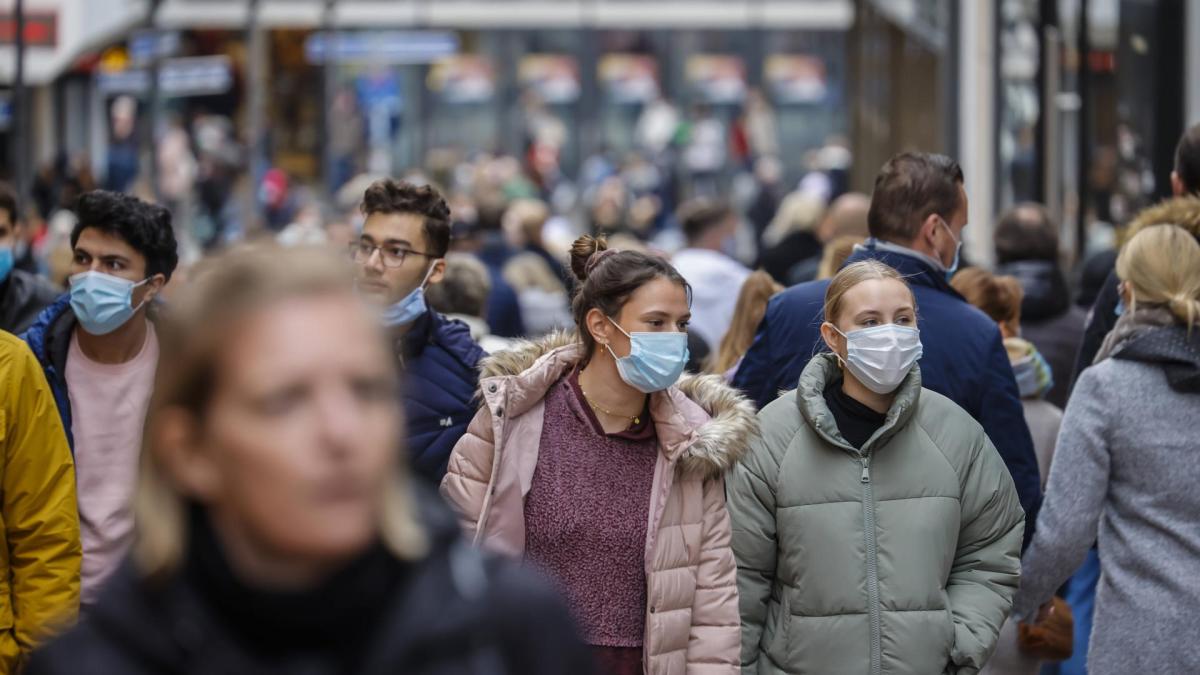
378, 46
191, 76
146, 45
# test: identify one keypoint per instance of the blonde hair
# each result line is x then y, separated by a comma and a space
1161, 264
751, 306
527, 271
997, 296
835, 255
853, 275
224, 291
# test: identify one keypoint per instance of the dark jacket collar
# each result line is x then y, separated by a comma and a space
910, 266
1045, 287
452, 336
410, 345
50, 335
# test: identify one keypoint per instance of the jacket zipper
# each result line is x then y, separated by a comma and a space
868, 497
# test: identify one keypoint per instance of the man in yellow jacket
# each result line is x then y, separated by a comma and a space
40, 551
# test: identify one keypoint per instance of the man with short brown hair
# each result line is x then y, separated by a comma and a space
917, 217
400, 253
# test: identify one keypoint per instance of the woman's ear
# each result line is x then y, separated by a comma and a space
178, 447
598, 325
832, 338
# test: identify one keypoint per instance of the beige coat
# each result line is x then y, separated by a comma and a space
703, 427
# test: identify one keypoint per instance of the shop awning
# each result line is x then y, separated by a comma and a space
723, 14
71, 28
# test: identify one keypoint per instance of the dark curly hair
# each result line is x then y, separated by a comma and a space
396, 196
144, 226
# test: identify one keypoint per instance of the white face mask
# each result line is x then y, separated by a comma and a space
880, 357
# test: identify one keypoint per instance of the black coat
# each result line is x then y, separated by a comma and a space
795, 248
22, 297
457, 611
1100, 321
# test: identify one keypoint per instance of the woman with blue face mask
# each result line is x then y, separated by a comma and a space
875, 527
595, 461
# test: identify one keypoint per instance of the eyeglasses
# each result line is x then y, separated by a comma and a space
392, 256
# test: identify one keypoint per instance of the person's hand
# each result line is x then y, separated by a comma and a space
1044, 612
1051, 637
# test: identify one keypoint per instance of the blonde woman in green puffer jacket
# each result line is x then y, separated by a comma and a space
875, 527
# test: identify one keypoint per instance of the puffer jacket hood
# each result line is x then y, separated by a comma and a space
1172, 348
1181, 211
1045, 287
712, 448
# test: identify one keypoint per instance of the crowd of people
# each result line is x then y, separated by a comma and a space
458, 434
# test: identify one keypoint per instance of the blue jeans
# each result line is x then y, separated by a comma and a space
1081, 596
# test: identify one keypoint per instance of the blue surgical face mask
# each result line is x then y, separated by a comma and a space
953, 268
655, 361
103, 303
1120, 308
409, 308
6, 262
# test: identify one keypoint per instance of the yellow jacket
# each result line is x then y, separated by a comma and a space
40, 551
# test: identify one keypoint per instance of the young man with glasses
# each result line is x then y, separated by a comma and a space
401, 253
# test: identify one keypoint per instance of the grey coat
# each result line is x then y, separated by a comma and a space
1126, 472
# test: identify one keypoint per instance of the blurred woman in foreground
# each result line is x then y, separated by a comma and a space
276, 530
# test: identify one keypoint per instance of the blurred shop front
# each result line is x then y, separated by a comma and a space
421, 83
1079, 105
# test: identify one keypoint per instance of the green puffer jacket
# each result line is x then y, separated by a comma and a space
903, 558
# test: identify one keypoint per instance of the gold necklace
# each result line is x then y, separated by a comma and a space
636, 419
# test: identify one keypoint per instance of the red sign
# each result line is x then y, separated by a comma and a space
41, 29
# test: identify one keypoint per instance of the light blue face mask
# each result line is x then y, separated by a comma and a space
953, 268
409, 308
103, 303
655, 361
6, 262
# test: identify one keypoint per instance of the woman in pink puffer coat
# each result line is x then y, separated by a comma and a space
593, 461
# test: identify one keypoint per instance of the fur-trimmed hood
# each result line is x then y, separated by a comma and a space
706, 421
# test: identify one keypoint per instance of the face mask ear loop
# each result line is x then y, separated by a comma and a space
609, 347
840, 360
428, 273
144, 300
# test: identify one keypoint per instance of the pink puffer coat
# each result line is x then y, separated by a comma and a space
703, 426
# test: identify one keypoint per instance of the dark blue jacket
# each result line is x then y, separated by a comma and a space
439, 361
964, 360
49, 338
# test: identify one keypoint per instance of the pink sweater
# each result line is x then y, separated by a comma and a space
586, 516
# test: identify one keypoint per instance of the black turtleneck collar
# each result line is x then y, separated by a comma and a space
856, 421
334, 619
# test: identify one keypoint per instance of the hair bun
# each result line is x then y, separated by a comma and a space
586, 253
1185, 308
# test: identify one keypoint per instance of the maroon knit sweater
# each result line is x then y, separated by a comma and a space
586, 515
